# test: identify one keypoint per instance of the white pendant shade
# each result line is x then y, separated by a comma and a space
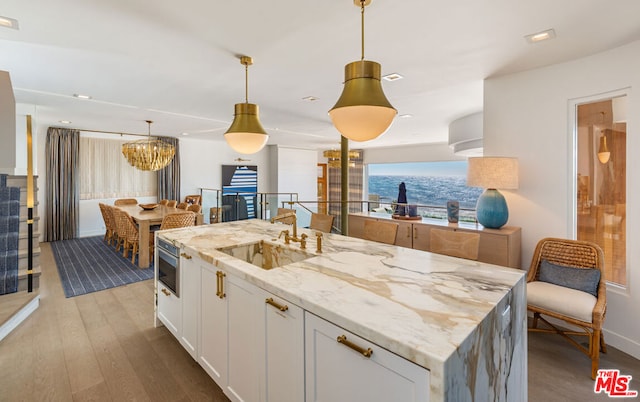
246, 143
363, 122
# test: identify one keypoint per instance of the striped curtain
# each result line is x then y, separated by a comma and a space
62, 152
356, 174
169, 177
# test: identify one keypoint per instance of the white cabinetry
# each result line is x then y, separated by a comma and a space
190, 267
284, 350
231, 333
244, 346
213, 326
339, 370
169, 309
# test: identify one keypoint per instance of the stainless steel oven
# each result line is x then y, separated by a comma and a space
169, 265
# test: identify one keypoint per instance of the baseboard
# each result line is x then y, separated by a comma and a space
628, 346
20, 315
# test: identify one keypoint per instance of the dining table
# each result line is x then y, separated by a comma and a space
145, 218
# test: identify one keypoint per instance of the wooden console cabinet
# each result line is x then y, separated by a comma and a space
497, 246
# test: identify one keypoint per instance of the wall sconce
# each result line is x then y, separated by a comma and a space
492, 173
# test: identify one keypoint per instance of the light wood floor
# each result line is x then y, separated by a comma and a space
97, 347
103, 347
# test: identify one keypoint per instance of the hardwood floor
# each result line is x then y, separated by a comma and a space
103, 347
97, 347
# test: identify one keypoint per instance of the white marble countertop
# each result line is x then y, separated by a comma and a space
419, 305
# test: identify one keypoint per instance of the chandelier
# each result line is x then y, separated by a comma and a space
148, 154
333, 157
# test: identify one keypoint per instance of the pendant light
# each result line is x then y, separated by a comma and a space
246, 134
362, 112
148, 154
603, 150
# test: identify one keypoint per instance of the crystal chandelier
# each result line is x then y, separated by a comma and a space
333, 158
148, 154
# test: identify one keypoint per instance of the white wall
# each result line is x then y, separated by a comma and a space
7, 125
410, 153
527, 115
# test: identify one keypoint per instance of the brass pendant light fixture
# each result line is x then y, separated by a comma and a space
362, 112
148, 154
603, 151
246, 134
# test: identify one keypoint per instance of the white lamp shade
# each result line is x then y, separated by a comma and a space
363, 122
246, 143
493, 172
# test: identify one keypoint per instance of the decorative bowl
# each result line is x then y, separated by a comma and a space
148, 207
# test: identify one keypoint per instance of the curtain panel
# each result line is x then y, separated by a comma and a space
62, 186
169, 176
356, 174
105, 172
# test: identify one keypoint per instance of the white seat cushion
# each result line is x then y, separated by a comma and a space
570, 302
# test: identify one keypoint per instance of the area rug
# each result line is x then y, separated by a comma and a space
88, 265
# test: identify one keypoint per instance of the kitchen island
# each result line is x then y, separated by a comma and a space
463, 323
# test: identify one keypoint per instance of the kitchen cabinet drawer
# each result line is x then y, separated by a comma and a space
337, 369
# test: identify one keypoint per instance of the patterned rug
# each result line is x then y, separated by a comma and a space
88, 265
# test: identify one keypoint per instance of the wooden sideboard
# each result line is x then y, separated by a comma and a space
497, 246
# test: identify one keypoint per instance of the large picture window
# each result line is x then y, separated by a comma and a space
429, 185
105, 173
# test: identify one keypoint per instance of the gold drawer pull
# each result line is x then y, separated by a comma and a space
166, 292
364, 352
409, 231
185, 255
220, 284
276, 304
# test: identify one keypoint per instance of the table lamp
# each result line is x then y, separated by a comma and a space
492, 173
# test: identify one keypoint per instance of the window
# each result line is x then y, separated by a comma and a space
105, 173
429, 185
601, 181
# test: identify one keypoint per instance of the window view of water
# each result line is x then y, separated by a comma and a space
427, 183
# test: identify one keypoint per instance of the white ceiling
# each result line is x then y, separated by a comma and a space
175, 62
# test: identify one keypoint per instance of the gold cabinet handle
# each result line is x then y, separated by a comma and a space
276, 304
364, 352
220, 284
408, 231
166, 292
185, 255
415, 233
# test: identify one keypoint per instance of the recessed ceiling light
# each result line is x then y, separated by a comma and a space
185, 133
64, 121
392, 77
80, 96
541, 36
310, 98
405, 116
8, 22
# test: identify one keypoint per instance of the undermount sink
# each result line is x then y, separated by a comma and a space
266, 255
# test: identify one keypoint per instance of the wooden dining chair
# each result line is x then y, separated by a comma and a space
380, 231
321, 222
172, 203
194, 199
182, 205
455, 243
286, 221
195, 208
163, 202
128, 233
109, 223
178, 220
125, 201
